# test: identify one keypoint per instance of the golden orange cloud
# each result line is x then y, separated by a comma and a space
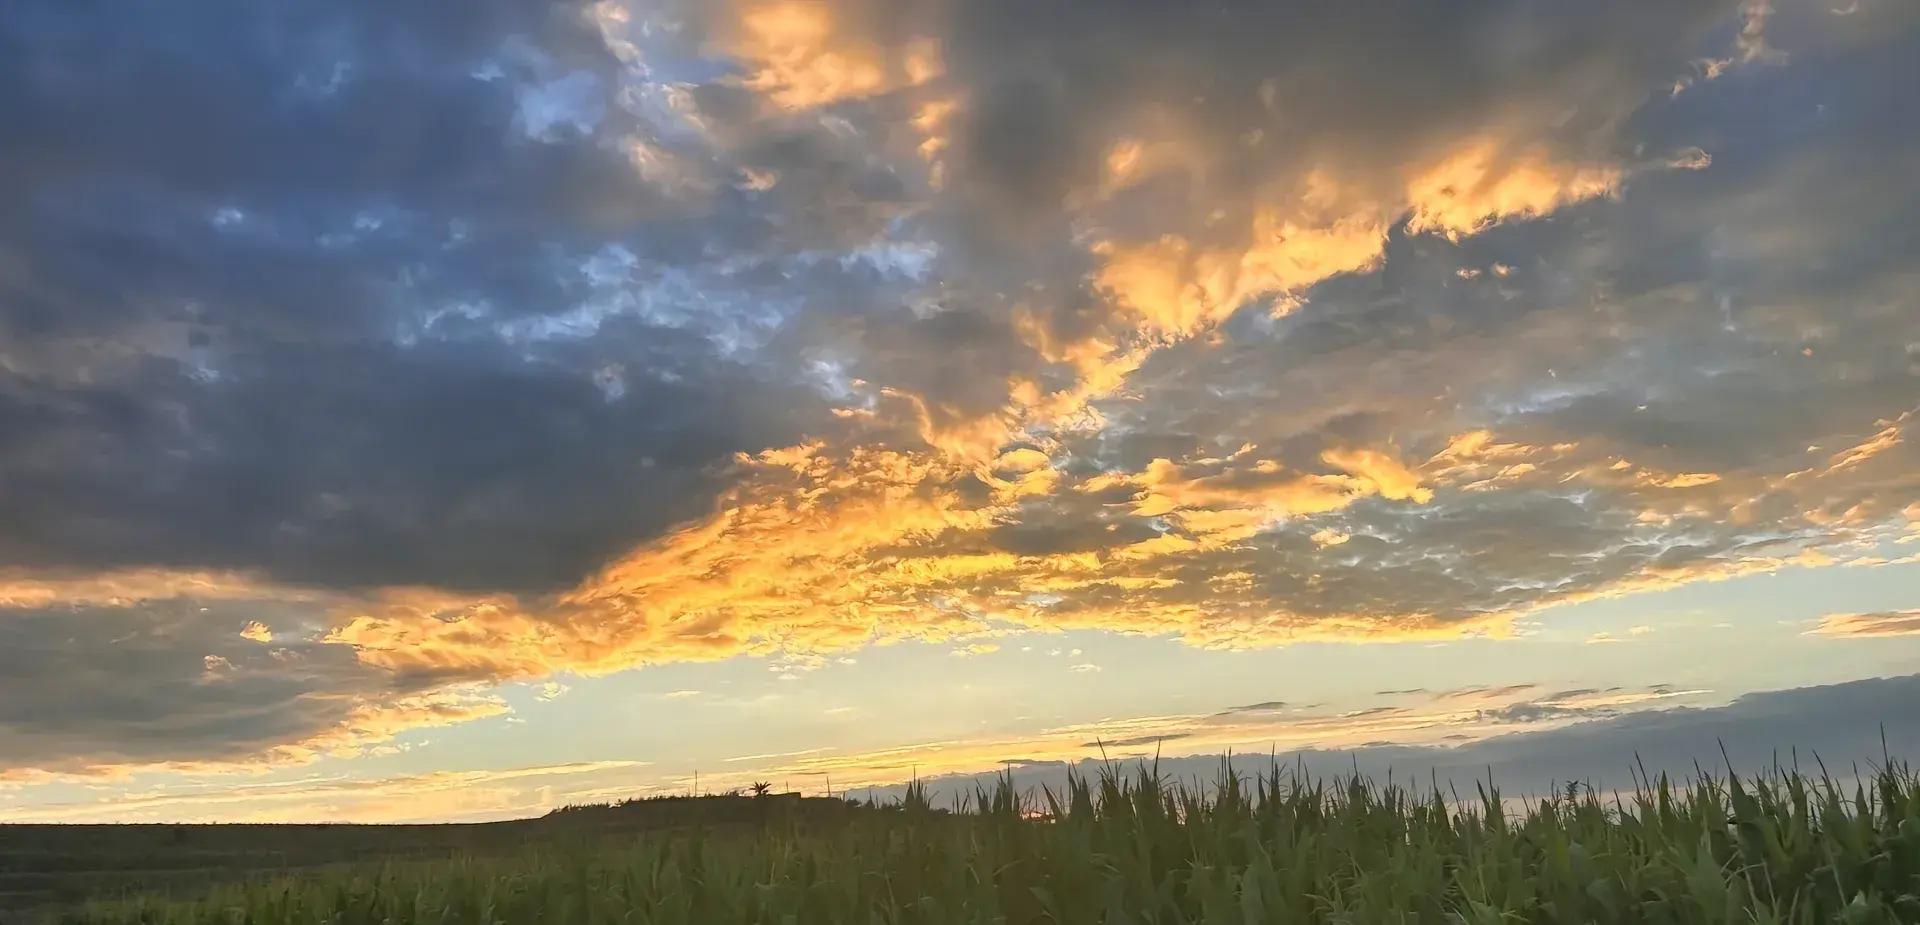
1889, 436
373, 724
819, 552
1235, 503
436, 796
1682, 480
1870, 625
1484, 182
1380, 473
1022, 460
801, 56
1478, 461
1173, 288
1170, 287
824, 551
24, 589
931, 128
1475, 462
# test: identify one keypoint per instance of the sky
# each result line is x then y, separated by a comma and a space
458, 408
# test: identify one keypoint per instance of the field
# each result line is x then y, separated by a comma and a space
1131, 849
46, 868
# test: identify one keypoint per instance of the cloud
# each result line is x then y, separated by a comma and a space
36, 588
351, 490
1479, 185
432, 797
1870, 625
800, 55
1434, 720
1855, 725
109, 690
1245, 497
470, 343
224, 246
1597, 737
1036, 129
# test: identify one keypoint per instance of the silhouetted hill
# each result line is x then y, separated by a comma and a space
50, 865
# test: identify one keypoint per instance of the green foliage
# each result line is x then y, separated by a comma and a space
1785, 848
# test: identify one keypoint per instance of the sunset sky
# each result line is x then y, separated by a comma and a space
449, 409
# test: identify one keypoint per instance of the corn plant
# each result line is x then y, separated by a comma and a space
1133, 849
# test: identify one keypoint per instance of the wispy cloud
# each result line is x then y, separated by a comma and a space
1533, 738
1870, 625
436, 796
1445, 717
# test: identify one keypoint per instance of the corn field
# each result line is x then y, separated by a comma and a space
1134, 850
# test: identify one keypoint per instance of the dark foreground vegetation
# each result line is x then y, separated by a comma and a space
1786, 848
47, 869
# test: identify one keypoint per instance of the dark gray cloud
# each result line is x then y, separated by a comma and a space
1062, 80
261, 100
461, 465
275, 168
298, 288
101, 687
